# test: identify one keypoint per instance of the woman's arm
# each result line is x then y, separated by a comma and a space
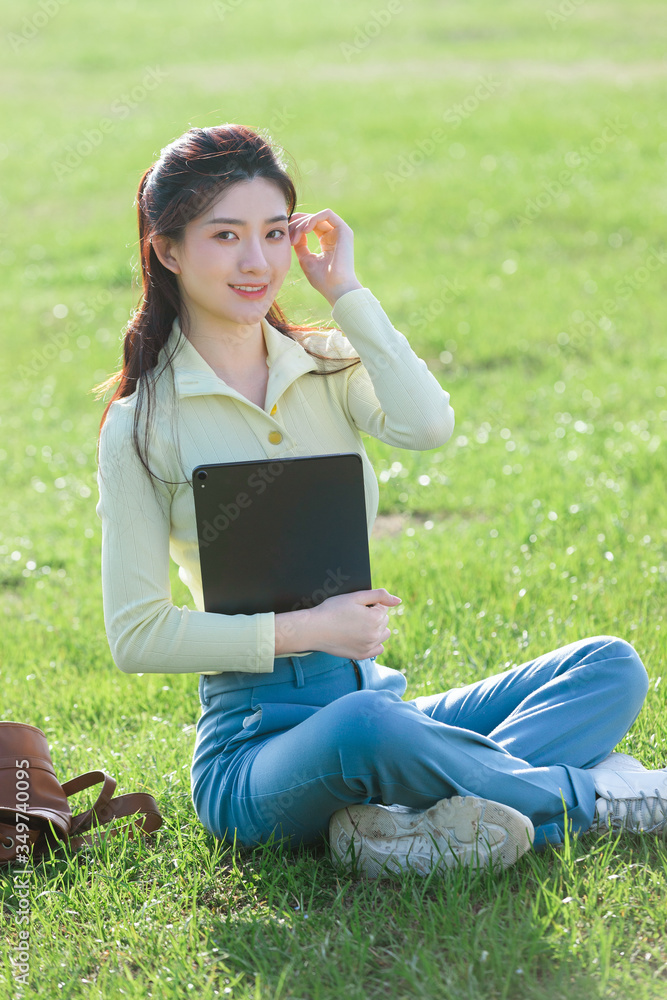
146, 631
393, 396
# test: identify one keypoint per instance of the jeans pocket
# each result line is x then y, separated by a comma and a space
274, 717
221, 717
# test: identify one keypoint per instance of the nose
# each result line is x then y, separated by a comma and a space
253, 257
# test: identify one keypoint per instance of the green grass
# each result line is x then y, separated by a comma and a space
541, 521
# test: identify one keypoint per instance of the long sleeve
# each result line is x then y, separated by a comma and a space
393, 397
146, 632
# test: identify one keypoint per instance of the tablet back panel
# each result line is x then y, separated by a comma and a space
281, 535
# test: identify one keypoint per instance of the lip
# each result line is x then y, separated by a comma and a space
260, 293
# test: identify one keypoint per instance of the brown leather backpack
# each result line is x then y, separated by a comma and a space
34, 812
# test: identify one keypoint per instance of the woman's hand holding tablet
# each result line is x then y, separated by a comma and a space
349, 625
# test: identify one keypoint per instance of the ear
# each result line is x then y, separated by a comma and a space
164, 251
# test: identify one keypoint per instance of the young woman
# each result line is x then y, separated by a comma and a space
301, 729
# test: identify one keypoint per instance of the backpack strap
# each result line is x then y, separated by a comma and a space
148, 821
99, 811
107, 809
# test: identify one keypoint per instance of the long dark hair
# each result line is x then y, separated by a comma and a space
190, 174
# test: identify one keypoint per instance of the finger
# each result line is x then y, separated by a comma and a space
323, 226
299, 240
379, 596
296, 226
299, 235
327, 214
302, 251
295, 234
308, 222
300, 219
381, 618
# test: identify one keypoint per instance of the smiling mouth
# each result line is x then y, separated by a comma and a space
250, 291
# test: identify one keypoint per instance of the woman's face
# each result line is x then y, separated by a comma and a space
233, 259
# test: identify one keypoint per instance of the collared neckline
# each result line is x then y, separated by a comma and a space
193, 376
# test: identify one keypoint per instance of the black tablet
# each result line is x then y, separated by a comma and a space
283, 534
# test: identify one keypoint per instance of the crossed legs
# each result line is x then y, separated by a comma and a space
525, 737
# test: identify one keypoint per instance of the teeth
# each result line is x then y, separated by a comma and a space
249, 288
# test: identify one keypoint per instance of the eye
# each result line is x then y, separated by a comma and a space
224, 234
277, 232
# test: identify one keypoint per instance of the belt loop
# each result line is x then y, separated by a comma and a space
203, 697
298, 671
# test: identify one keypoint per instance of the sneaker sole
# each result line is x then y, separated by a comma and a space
456, 831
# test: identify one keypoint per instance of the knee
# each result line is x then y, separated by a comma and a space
630, 672
362, 715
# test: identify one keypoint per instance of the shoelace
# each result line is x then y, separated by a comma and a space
624, 809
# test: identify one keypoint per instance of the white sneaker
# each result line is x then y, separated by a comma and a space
458, 830
631, 800
618, 761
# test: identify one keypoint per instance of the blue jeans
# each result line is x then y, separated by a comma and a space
279, 753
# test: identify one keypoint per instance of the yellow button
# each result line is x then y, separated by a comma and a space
275, 437
274, 410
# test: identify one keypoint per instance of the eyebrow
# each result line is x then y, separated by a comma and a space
241, 222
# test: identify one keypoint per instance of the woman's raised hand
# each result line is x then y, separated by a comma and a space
330, 272
350, 625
